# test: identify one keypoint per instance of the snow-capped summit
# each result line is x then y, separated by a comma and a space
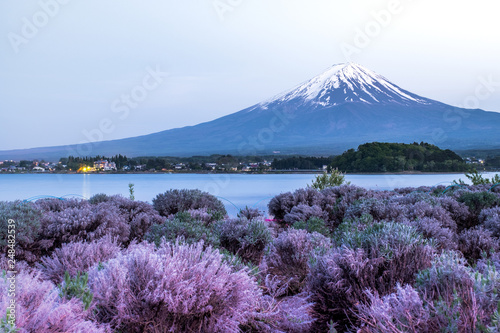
345, 83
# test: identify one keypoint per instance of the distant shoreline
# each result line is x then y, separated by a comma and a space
298, 172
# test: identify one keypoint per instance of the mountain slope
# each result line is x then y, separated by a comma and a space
343, 107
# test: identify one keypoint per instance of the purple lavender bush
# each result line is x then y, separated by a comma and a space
283, 204
379, 209
173, 287
98, 198
280, 205
174, 201
448, 288
477, 242
490, 219
332, 201
26, 221
376, 258
458, 211
139, 215
447, 297
86, 224
336, 201
40, 308
58, 205
249, 213
245, 238
303, 212
77, 257
290, 314
402, 311
431, 228
423, 209
288, 258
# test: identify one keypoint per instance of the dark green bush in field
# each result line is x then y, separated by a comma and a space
174, 201
182, 225
24, 229
98, 198
329, 179
313, 224
476, 202
76, 287
247, 239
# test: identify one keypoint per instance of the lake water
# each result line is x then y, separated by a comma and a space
235, 190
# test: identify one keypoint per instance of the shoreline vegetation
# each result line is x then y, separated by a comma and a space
369, 158
312, 172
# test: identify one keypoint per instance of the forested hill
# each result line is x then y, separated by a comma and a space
398, 157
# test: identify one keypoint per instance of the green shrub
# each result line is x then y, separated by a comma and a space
182, 225
477, 179
238, 264
247, 239
476, 202
6, 325
98, 198
131, 191
76, 287
314, 224
329, 179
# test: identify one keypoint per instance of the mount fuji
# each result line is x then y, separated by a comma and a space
345, 106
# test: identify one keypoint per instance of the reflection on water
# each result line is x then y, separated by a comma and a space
86, 192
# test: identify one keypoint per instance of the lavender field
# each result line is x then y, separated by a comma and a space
341, 259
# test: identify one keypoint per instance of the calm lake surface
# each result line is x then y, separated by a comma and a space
235, 190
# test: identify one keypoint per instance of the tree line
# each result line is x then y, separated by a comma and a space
398, 157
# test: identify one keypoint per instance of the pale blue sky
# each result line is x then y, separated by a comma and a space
67, 76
